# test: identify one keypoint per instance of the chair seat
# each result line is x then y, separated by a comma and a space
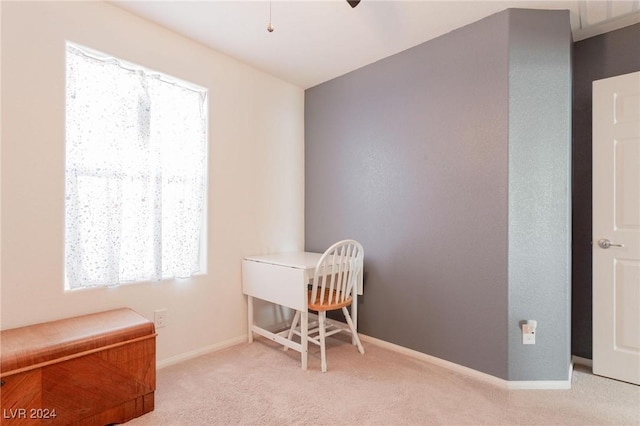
322, 303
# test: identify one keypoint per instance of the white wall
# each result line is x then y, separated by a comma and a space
256, 172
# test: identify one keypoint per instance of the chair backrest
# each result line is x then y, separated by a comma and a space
337, 272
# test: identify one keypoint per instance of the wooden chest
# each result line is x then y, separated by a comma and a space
94, 369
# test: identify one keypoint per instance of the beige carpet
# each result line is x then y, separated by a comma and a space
259, 384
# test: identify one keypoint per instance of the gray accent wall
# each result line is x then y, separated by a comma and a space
539, 253
413, 156
603, 56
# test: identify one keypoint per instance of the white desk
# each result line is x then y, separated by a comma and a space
282, 279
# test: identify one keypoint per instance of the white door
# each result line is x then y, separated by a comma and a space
616, 227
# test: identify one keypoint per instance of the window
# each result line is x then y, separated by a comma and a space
136, 150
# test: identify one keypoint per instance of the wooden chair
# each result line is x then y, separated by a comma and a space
334, 281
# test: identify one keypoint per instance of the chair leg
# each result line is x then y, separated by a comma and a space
354, 333
294, 324
321, 326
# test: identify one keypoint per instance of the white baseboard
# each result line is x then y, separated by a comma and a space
437, 361
582, 361
542, 384
505, 384
201, 351
538, 384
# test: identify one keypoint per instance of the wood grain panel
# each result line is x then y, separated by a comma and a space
20, 395
134, 360
89, 385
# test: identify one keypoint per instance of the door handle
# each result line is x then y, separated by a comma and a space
605, 244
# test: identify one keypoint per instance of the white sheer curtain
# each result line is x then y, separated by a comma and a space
135, 173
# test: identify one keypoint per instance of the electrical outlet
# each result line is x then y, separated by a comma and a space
528, 335
160, 318
529, 332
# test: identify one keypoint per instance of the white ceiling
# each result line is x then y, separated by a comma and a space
315, 41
